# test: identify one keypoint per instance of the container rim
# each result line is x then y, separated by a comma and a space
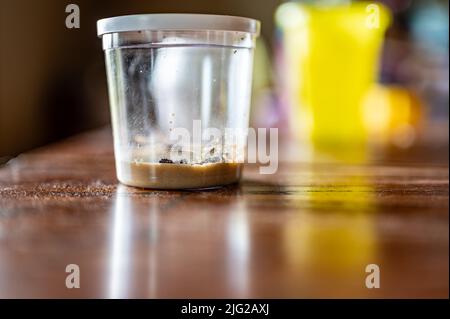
177, 21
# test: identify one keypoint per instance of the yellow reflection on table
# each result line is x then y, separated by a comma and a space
338, 240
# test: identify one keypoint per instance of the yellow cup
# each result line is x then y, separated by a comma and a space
331, 57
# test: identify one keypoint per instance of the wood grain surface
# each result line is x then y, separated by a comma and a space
308, 231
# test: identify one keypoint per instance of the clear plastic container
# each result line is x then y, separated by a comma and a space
173, 79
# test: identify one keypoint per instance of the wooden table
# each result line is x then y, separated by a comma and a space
308, 231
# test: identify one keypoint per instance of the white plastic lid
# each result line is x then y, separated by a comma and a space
177, 21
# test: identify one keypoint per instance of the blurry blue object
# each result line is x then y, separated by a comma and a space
430, 25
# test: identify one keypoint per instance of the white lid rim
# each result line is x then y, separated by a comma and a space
177, 21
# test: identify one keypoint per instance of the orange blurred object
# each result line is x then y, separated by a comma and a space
394, 116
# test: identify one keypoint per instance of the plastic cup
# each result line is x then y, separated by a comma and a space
332, 53
177, 84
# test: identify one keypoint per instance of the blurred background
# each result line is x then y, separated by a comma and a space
322, 81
